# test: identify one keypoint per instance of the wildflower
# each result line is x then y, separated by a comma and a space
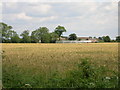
27, 85
117, 77
92, 84
107, 78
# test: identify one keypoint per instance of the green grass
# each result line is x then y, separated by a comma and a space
85, 75
60, 65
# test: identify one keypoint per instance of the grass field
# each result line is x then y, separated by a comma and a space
49, 65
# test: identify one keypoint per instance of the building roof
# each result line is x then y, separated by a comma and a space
83, 37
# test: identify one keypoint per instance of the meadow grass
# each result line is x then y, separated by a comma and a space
60, 65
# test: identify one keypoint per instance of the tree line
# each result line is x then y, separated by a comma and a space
42, 34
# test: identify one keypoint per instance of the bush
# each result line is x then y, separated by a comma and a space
85, 75
88, 76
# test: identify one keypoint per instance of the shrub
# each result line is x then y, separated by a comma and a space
85, 75
88, 76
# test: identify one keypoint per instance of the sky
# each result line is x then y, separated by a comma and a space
93, 18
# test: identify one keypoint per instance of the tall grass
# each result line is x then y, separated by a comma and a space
60, 65
85, 75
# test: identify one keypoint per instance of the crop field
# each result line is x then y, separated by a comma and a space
60, 65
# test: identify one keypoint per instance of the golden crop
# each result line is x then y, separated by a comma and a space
45, 58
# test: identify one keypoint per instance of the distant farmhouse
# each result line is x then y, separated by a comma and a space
78, 40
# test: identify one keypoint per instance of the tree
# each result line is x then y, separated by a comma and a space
53, 37
90, 37
106, 39
34, 37
45, 38
15, 39
118, 38
59, 30
72, 36
113, 40
100, 38
39, 34
5, 31
25, 37
8, 35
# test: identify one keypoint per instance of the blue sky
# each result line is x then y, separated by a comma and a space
93, 18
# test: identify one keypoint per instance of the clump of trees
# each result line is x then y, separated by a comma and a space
72, 36
7, 34
118, 38
42, 34
59, 30
108, 39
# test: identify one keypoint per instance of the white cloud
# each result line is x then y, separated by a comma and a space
111, 6
43, 19
41, 8
90, 18
0, 8
28, 8
18, 16
11, 5
60, 1
23, 16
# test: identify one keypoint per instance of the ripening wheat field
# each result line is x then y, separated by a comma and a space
25, 65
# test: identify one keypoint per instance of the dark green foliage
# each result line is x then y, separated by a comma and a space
113, 40
25, 37
6, 33
15, 39
89, 76
59, 30
41, 34
53, 37
12, 78
86, 75
72, 36
100, 38
34, 37
5, 30
106, 39
45, 38
118, 38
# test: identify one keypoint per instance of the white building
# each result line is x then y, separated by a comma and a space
82, 41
